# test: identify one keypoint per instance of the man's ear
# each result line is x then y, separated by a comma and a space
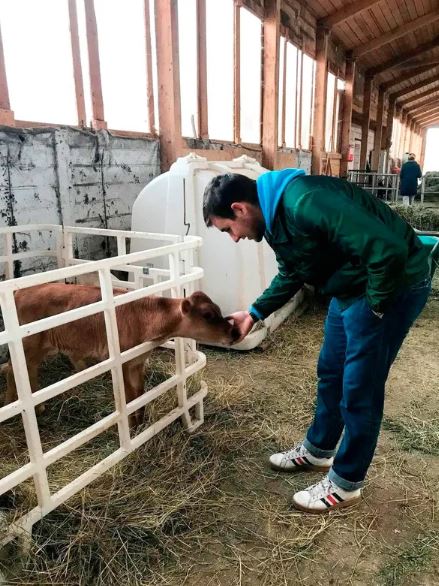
239, 208
185, 306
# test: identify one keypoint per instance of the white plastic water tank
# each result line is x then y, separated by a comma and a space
234, 274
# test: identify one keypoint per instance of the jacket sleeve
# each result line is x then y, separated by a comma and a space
419, 172
283, 286
362, 236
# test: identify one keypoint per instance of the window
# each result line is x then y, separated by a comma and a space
308, 69
219, 33
38, 60
187, 39
292, 90
250, 82
122, 55
330, 101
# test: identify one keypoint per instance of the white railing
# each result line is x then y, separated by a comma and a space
382, 185
187, 359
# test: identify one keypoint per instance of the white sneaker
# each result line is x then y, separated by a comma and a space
325, 496
298, 458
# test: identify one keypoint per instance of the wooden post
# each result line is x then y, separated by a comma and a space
368, 83
203, 130
423, 142
149, 77
403, 133
389, 125
168, 74
98, 120
321, 83
6, 114
348, 98
378, 131
77, 69
271, 83
237, 74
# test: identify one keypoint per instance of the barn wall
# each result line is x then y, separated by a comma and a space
70, 177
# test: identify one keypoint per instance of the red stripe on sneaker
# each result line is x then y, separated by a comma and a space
299, 461
331, 499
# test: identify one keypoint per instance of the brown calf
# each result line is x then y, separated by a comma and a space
148, 319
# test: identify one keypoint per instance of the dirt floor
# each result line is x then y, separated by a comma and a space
206, 509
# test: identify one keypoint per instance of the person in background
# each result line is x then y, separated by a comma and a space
409, 175
345, 242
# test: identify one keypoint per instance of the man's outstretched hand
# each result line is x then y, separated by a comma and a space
243, 322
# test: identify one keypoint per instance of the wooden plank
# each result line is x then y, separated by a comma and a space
97, 102
396, 33
271, 83
149, 77
378, 131
321, 81
414, 87
426, 115
77, 68
168, 74
346, 119
6, 114
400, 59
203, 130
347, 12
368, 83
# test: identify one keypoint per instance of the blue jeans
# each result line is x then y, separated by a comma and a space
357, 353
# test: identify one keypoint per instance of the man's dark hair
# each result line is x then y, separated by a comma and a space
223, 190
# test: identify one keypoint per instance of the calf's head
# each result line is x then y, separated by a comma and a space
202, 320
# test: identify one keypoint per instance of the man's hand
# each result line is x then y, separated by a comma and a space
243, 322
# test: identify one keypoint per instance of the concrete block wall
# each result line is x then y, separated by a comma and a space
70, 177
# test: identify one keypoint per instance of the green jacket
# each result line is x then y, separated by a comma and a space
337, 237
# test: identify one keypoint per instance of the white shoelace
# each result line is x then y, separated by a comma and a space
320, 489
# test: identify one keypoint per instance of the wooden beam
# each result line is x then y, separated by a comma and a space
396, 33
410, 75
203, 130
417, 97
367, 94
347, 12
378, 131
77, 68
426, 115
271, 83
97, 102
414, 87
6, 114
425, 111
346, 119
320, 90
400, 59
168, 74
422, 106
149, 76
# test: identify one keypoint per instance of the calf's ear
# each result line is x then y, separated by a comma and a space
185, 306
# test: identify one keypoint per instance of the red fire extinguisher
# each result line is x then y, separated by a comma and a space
351, 153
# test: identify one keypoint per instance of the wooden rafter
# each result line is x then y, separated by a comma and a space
417, 97
400, 59
433, 122
414, 87
423, 105
396, 33
368, 85
347, 12
428, 114
409, 75
378, 131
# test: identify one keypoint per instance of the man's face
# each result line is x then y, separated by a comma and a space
247, 223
